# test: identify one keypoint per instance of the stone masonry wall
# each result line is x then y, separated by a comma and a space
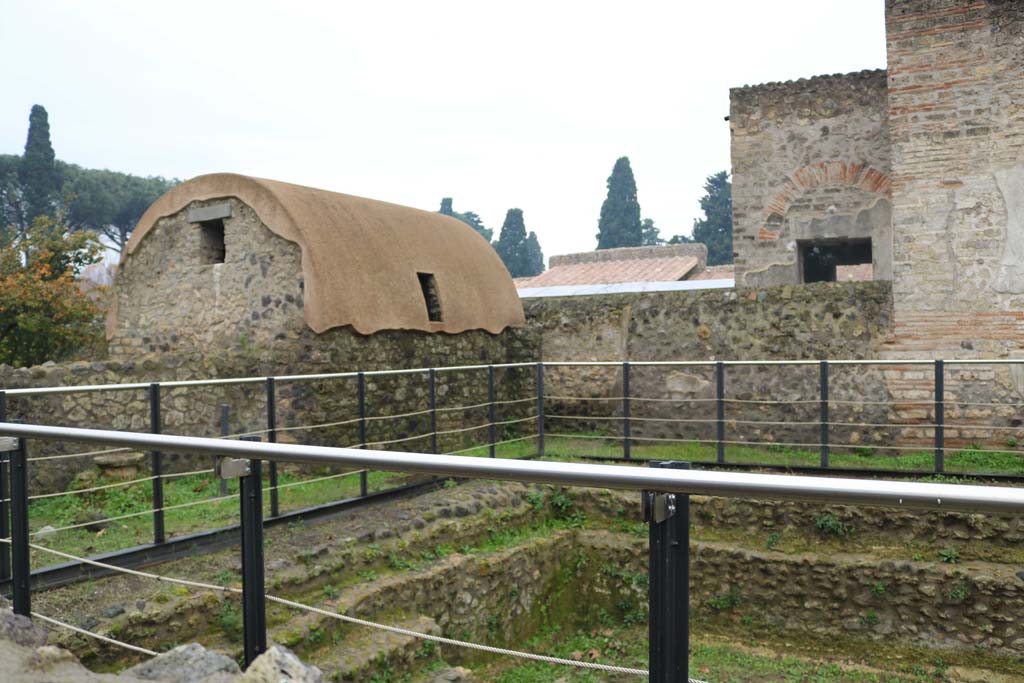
195, 411
825, 320
170, 299
810, 160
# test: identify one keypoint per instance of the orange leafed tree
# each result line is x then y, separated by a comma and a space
44, 314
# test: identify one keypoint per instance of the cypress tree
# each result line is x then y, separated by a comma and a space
511, 244
534, 255
715, 229
38, 172
619, 225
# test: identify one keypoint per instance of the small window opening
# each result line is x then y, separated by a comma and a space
211, 241
428, 285
836, 260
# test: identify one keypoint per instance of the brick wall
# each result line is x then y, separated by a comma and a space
810, 160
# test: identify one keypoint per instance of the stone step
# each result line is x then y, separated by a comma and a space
367, 651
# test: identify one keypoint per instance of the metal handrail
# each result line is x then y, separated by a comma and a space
830, 490
67, 389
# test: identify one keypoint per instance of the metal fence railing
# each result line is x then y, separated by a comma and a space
665, 495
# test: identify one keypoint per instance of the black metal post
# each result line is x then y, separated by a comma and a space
254, 608
432, 381
156, 462
225, 429
668, 516
720, 410
361, 399
540, 409
940, 416
625, 412
490, 410
20, 566
823, 410
275, 510
5, 505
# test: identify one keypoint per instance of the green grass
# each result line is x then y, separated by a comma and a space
720, 663
966, 461
67, 510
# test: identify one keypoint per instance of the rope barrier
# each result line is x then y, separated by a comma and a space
91, 634
918, 448
353, 620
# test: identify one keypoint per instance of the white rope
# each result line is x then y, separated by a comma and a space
135, 514
487, 424
393, 441
487, 445
105, 639
79, 455
461, 643
398, 415
353, 620
119, 484
319, 426
311, 481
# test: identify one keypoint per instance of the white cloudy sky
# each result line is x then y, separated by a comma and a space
499, 105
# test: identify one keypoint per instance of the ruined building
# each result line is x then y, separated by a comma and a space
914, 173
225, 260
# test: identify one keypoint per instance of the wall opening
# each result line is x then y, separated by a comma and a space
835, 260
211, 241
428, 285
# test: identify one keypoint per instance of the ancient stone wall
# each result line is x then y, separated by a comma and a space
825, 320
810, 160
172, 298
195, 411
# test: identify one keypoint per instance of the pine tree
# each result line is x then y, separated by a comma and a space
469, 218
715, 229
511, 244
619, 225
650, 234
38, 172
534, 255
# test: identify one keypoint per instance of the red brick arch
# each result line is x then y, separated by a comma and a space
822, 173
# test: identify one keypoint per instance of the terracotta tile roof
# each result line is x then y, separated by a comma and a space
714, 273
609, 266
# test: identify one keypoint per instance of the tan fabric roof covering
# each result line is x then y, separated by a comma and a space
360, 256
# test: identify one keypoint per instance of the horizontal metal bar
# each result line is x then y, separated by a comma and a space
70, 389
728, 484
84, 388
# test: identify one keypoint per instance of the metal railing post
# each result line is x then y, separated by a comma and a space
225, 429
668, 517
20, 564
491, 418
432, 381
540, 409
5, 505
254, 607
275, 509
361, 400
156, 463
626, 446
940, 416
823, 410
720, 411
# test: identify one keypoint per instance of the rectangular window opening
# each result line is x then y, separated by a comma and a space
211, 241
428, 285
838, 260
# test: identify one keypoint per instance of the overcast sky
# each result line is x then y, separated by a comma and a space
499, 105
